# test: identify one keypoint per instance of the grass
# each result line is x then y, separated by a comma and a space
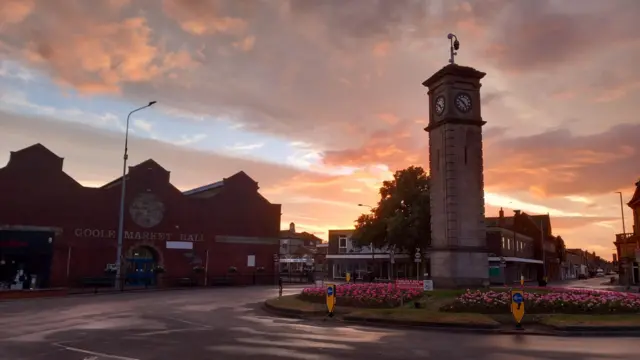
292, 302
591, 320
429, 313
425, 315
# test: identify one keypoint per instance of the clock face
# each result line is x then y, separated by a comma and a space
439, 105
463, 102
147, 210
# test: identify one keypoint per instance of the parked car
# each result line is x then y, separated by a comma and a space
582, 276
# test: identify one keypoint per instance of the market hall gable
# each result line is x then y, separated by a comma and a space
165, 222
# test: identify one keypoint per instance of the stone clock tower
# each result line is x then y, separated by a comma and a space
458, 234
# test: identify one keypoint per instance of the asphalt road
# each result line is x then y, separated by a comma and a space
228, 323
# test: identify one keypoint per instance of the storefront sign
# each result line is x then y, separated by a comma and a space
138, 235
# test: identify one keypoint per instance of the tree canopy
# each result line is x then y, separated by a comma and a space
561, 248
402, 216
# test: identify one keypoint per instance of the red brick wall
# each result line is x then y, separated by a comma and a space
36, 192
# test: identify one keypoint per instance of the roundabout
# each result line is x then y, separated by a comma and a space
540, 311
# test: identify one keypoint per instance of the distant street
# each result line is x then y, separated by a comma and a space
596, 283
227, 323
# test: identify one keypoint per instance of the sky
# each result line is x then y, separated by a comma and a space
320, 101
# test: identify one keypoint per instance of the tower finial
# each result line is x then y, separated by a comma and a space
455, 45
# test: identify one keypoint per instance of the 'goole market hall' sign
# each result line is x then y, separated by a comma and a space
138, 235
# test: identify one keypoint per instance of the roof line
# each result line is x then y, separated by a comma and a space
204, 188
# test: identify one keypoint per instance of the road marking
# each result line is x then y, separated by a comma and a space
95, 353
188, 322
162, 332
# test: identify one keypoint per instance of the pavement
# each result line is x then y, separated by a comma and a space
228, 323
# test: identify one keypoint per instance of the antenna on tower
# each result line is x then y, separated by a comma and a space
455, 45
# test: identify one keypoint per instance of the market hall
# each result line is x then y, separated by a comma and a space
54, 232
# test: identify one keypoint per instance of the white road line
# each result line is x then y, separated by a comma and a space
188, 322
94, 353
162, 332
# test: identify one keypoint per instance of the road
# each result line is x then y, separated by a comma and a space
595, 283
228, 323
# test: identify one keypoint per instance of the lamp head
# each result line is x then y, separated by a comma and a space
151, 103
456, 45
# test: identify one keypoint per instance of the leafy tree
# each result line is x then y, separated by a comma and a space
402, 216
561, 249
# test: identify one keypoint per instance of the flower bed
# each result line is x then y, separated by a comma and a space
364, 295
566, 302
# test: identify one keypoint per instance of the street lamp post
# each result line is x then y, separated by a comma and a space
122, 196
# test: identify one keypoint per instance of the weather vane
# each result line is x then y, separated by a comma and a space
455, 45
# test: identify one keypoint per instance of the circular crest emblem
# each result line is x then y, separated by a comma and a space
147, 210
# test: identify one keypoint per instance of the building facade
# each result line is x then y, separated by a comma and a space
628, 245
62, 232
537, 228
365, 263
297, 250
511, 256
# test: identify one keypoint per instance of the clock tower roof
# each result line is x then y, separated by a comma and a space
455, 70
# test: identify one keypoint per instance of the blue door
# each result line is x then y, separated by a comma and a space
140, 269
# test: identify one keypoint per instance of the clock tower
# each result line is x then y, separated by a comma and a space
458, 235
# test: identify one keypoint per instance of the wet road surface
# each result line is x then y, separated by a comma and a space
228, 323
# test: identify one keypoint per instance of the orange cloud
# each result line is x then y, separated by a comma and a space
104, 56
245, 44
15, 11
381, 49
202, 17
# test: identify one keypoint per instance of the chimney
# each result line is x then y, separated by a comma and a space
501, 218
516, 212
292, 228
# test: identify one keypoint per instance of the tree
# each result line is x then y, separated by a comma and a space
561, 249
402, 216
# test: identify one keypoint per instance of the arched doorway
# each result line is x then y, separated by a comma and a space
140, 266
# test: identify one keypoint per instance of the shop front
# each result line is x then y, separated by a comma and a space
25, 259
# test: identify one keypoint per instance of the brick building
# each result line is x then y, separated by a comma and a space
364, 262
537, 228
53, 227
628, 245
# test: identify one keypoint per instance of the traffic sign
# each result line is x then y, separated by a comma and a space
331, 298
517, 306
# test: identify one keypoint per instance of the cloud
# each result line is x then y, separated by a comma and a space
339, 81
557, 163
143, 125
95, 155
245, 147
15, 11
190, 139
93, 48
203, 17
538, 34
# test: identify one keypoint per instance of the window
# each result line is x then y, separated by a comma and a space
342, 244
503, 244
508, 244
251, 261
